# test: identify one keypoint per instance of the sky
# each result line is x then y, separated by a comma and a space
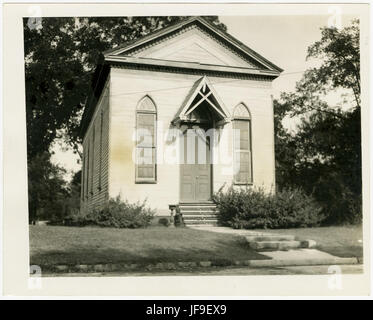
282, 39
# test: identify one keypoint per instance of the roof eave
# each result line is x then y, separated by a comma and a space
148, 37
92, 99
190, 65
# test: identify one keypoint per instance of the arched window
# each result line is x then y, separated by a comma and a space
146, 117
242, 145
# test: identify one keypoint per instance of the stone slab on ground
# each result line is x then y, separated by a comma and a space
262, 240
269, 237
240, 232
274, 245
298, 254
301, 257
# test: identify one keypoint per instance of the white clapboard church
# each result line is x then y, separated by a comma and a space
174, 117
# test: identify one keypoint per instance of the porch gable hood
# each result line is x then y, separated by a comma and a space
202, 91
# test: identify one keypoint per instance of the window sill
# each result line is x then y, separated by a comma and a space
243, 183
146, 182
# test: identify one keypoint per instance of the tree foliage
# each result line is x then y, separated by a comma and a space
60, 57
340, 52
47, 189
323, 156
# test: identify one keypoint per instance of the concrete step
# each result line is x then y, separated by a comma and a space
302, 262
197, 209
281, 245
186, 213
202, 225
274, 245
269, 237
300, 257
199, 216
197, 205
211, 205
201, 221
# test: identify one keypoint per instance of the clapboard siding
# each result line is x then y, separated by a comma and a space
168, 91
95, 180
109, 166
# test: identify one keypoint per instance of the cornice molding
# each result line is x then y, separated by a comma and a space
177, 33
191, 68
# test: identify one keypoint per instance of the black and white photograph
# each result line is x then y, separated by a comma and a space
217, 143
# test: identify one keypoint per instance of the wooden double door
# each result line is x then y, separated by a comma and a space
195, 167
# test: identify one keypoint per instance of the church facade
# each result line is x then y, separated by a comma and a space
176, 116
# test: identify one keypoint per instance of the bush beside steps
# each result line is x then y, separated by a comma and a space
250, 208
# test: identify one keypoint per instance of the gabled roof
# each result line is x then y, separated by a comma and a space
122, 55
223, 36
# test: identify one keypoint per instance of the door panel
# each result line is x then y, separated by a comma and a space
196, 177
187, 182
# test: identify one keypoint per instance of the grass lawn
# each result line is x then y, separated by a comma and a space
341, 241
51, 245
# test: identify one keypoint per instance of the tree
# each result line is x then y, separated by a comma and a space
47, 189
324, 155
340, 52
60, 57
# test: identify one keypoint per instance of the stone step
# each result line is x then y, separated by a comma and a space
185, 204
269, 237
275, 245
197, 208
199, 216
197, 212
202, 225
201, 221
302, 262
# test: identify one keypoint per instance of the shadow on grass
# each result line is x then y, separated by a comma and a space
343, 252
223, 253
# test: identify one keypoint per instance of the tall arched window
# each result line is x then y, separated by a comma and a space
242, 145
146, 117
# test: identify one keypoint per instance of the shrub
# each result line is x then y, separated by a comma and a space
118, 214
164, 222
248, 208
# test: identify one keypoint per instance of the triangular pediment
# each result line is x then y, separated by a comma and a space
198, 41
202, 95
194, 46
193, 52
